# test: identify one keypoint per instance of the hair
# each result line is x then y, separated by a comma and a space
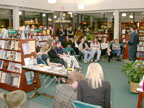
45, 47
75, 76
50, 42
94, 75
57, 42
133, 26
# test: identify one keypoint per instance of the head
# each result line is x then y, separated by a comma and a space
95, 40
116, 41
58, 44
94, 75
50, 42
85, 38
105, 40
61, 29
67, 38
133, 27
74, 78
56, 38
45, 48
87, 29
82, 40
14, 99
70, 28
75, 39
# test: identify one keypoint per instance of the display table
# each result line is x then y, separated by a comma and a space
52, 71
141, 95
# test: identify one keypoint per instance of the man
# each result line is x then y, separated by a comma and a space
133, 41
66, 57
65, 94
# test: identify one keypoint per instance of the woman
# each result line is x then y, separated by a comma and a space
61, 36
67, 42
95, 48
106, 49
44, 51
94, 89
70, 32
65, 94
75, 45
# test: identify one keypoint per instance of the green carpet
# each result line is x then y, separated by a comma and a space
120, 94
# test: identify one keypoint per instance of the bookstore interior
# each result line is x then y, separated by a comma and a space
30, 33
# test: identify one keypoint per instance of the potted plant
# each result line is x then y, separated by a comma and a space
134, 72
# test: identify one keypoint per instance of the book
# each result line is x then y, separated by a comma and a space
12, 44
10, 55
26, 48
32, 46
3, 77
17, 45
2, 54
14, 67
2, 43
5, 64
18, 57
15, 80
11, 66
0, 75
6, 45
8, 78
29, 77
1, 64
29, 61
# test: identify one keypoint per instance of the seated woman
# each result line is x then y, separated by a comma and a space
105, 49
44, 51
94, 90
95, 48
67, 42
75, 45
84, 49
65, 94
116, 49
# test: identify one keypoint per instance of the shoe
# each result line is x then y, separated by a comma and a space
97, 60
118, 59
85, 62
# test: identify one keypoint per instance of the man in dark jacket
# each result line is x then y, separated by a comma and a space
133, 41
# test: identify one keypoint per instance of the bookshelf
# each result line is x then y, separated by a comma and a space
14, 54
140, 49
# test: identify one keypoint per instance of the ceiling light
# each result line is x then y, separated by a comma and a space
124, 14
49, 19
113, 14
43, 15
20, 12
52, 1
131, 16
80, 6
69, 12
64, 14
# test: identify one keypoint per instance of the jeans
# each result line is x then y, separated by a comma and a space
98, 54
117, 52
88, 55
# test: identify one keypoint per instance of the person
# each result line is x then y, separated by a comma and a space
84, 49
79, 32
67, 42
44, 51
94, 89
116, 49
95, 48
69, 59
70, 32
75, 45
133, 41
65, 94
62, 35
105, 48
14, 99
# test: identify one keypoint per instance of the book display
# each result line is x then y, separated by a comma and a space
14, 54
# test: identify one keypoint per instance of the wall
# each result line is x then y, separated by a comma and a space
70, 5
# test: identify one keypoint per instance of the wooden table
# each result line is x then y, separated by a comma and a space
140, 99
39, 70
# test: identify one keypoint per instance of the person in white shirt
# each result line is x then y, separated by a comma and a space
95, 48
105, 49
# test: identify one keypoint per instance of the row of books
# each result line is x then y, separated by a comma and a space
10, 79
10, 44
141, 43
141, 38
10, 55
40, 38
140, 48
10, 66
140, 54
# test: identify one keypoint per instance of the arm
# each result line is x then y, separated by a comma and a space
107, 96
53, 54
131, 41
50, 63
79, 92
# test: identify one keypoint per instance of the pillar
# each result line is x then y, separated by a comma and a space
116, 24
16, 21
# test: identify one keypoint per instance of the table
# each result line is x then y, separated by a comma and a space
55, 72
141, 95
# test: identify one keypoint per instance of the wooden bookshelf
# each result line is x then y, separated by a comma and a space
9, 74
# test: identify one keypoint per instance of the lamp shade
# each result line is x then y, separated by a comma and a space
51, 1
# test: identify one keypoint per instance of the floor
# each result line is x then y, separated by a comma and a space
120, 94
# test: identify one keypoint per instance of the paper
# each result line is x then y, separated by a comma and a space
26, 48
32, 46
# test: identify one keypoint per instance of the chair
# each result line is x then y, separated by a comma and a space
79, 104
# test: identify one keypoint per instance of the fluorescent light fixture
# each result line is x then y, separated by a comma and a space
131, 16
43, 15
69, 12
80, 6
20, 12
49, 19
55, 16
52, 1
124, 14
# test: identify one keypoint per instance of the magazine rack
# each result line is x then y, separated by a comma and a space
7, 74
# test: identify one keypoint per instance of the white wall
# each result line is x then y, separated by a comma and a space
70, 5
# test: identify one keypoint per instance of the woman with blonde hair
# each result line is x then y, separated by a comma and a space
94, 90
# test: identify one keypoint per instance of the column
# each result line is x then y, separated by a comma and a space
116, 24
91, 21
16, 18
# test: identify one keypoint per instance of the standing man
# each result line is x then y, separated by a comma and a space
133, 41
